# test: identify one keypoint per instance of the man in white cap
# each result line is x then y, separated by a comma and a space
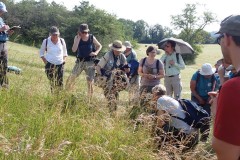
4, 33
133, 76
108, 66
226, 130
202, 82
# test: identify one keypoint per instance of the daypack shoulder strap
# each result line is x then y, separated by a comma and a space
47, 43
144, 60
177, 56
157, 65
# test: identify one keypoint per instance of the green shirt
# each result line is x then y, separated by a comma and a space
172, 69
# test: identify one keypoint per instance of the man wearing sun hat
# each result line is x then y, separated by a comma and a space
4, 33
226, 130
202, 82
110, 66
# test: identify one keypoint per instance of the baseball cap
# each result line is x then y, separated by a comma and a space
54, 30
83, 28
127, 44
3, 7
230, 25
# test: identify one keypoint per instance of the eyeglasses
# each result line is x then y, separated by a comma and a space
219, 38
153, 52
84, 32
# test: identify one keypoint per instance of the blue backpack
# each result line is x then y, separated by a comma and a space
196, 116
133, 65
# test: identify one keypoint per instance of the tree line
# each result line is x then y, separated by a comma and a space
36, 17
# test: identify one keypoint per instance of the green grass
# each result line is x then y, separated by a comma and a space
34, 124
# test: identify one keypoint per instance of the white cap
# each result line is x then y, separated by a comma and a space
3, 7
207, 69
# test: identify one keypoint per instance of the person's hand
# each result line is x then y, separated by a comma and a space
93, 54
5, 27
213, 102
171, 62
201, 101
10, 32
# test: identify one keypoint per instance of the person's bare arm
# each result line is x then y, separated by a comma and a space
224, 150
75, 43
194, 92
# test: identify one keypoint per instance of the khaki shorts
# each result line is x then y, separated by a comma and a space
87, 66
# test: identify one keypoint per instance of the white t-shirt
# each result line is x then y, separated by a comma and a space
174, 108
55, 52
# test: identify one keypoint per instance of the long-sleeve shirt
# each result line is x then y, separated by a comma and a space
172, 69
55, 53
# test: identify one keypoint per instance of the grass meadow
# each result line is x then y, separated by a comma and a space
34, 124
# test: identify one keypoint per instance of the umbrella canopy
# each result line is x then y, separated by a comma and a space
181, 46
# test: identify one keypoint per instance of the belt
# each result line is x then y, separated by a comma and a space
173, 75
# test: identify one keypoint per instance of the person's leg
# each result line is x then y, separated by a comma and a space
59, 76
49, 70
177, 86
3, 65
168, 85
77, 69
90, 72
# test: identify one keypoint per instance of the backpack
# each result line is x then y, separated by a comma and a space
47, 43
196, 116
157, 64
133, 64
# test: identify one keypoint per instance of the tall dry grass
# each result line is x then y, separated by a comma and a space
34, 124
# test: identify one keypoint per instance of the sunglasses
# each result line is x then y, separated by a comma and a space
84, 32
219, 38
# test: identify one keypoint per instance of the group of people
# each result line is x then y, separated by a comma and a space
213, 90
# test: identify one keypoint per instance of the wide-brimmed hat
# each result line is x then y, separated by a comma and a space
207, 69
54, 30
127, 44
230, 25
83, 28
117, 46
3, 7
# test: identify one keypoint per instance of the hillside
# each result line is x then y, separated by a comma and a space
38, 125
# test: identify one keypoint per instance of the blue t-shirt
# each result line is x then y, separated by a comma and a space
204, 85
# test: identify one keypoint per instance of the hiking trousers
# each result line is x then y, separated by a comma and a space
3, 64
55, 75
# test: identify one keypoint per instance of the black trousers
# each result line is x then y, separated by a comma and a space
55, 75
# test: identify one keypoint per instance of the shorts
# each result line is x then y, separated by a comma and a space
87, 66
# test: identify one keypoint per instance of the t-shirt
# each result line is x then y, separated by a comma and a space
204, 85
150, 69
174, 108
226, 126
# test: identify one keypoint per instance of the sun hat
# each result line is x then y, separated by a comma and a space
117, 46
230, 25
54, 30
127, 44
207, 69
83, 28
3, 7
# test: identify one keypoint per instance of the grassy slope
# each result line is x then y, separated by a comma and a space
37, 125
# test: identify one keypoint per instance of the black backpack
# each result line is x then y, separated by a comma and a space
196, 116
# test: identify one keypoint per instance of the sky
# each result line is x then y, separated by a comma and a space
160, 11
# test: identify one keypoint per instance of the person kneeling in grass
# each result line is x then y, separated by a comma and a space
170, 130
